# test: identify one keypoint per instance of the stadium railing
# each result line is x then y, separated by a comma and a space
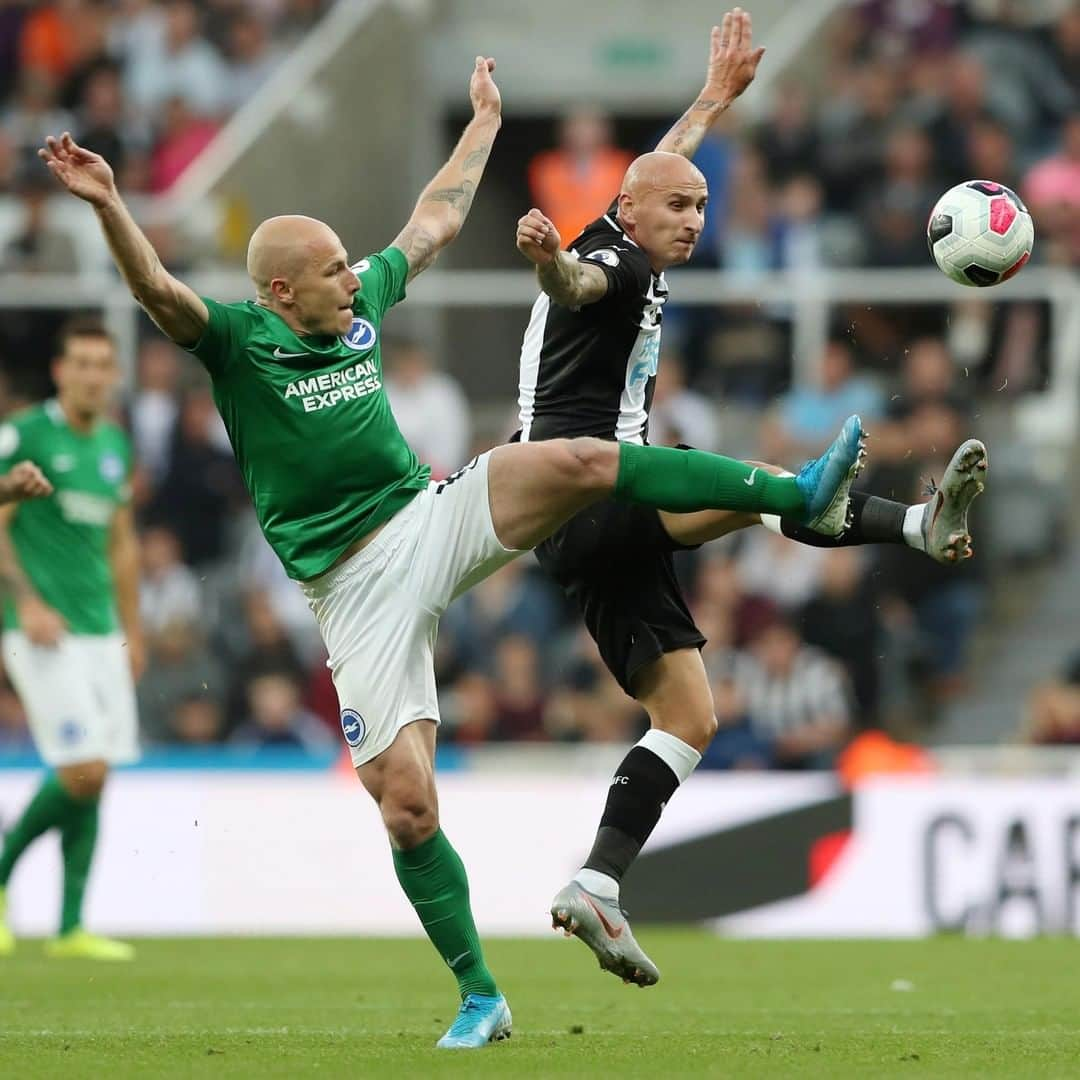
1048, 419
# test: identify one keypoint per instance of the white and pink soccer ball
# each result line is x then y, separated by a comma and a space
980, 233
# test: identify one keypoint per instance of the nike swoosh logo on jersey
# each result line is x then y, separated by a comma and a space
610, 930
279, 355
749, 481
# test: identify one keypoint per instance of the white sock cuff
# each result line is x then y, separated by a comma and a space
913, 519
772, 523
681, 758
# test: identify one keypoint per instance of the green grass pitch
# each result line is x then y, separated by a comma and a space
373, 1008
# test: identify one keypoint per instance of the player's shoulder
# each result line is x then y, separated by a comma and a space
605, 242
24, 428
390, 260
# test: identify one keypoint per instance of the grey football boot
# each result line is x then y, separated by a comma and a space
602, 925
945, 517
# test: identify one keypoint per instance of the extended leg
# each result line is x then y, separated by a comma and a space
674, 690
432, 876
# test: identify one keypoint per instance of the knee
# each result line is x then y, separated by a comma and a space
84, 781
591, 464
703, 728
410, 819
696, 727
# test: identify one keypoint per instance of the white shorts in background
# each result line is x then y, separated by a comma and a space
78, 695
379, 611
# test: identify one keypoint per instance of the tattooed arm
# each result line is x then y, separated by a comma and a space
564, 277
733, 63
444, 203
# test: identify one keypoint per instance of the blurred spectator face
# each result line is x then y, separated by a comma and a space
181, 25
966, 84
274, 700
247, 38
86, 373
197, 417
585, 131
265, 628
103, 98
670, 377
1067, 33
776, 647
8, 161
791, 108
878, 90
990, 150
197, 721
1070, 138
175, 642
841, 573
37, 90
410, 364
835, 366
160, 551
929, 371
801, 199
908, 154
159, 367
933, 429
718, 583
516, 669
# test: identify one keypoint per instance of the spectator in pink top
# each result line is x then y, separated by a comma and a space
1052, 189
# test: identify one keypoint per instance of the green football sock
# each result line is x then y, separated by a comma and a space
434, 880
682, 481
78, 838
48, 808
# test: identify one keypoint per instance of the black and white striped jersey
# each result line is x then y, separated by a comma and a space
590, 371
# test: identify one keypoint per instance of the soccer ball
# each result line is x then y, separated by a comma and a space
980, 233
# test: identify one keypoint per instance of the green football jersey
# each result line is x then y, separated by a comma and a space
310, 423
62, 542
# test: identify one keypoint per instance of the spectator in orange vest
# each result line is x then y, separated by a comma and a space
575, 182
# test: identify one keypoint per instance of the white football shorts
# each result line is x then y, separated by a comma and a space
379, 611
78, 695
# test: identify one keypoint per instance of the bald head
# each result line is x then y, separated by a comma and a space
282, 247
660, 171
662, 207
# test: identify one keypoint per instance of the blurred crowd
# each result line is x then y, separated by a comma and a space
806, 646
146, 83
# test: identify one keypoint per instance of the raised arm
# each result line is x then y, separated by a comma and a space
175, 308
444, 204
564, 277
733, 63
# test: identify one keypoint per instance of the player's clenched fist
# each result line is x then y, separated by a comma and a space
24, 481
537, 238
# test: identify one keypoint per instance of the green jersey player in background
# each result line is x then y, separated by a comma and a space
72, 642
378, 548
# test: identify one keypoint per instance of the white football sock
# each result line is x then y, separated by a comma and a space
913, 519
598, 884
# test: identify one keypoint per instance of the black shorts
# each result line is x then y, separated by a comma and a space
615, 560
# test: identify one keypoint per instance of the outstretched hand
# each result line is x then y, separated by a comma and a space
483, 93
537, 238
733, 60
82, 172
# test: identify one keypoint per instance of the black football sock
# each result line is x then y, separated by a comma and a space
643, 783
874, 521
